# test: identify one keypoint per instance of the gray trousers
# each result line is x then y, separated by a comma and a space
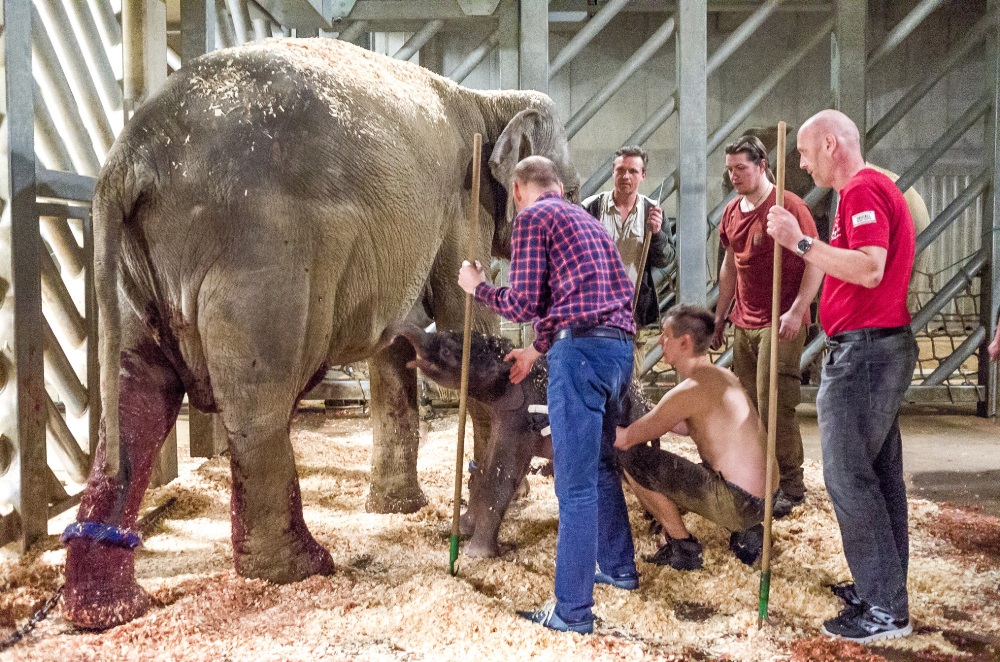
858, 408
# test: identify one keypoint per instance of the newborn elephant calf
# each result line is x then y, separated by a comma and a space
516, 434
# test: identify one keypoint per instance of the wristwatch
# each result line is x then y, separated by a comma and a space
805, 243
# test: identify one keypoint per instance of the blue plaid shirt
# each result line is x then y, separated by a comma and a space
564, 272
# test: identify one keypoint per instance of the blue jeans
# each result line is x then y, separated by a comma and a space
587, 380
858, 408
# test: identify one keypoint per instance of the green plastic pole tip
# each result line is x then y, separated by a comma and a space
765, 590
453, 556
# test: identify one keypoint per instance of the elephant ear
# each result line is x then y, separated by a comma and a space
532, 131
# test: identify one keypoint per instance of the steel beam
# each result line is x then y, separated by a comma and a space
240, 12
49, 146
198, 19
741, 34
418, 39
586, 34
767, 85
96, 54
534, 45
63, 446
955, 359
509, 46
955, 285
353, 31
61, 374
957, 53
848, 61
989, 307
22, 416
64, 185
107, 22
475, 57
629, 69
692, 198
902, 30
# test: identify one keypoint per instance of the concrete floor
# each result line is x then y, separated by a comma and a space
947, 455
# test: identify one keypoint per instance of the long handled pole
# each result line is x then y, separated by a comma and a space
647, 239
772, 391
463, 393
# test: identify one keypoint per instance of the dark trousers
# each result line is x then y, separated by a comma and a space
858, 408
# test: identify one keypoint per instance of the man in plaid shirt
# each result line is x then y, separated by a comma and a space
567, 277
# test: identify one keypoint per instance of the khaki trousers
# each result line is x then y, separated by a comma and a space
752, 365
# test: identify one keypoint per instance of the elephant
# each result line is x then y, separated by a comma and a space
516, 432
268, 214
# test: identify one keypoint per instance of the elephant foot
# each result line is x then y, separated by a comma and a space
466, 524
295, 561
403, 503
480, 550
101, 591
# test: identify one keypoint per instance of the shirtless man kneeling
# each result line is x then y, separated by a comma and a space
708, 404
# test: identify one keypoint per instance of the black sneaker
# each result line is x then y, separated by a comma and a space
784, 504
747, 545
846, 592
865, 623
678, 554
547, 617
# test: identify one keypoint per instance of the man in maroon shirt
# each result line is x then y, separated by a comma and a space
746, 276
867, 370
567, 277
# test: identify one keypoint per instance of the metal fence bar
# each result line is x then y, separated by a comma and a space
418, 39
989, 372
586, 34
902, 30
107, 22
740, 114
58, 98
478, 54
96, 55
972, 39
941, 145
64, 185
49, 146
60, 372
62, 241
956, 358
60, 302
22, 418
63, 445
353, 31
74, 66
956, 284
634, 63
240, 12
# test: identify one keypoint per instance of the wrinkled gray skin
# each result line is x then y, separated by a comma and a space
515, 434
266, 215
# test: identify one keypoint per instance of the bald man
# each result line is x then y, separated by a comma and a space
867, 370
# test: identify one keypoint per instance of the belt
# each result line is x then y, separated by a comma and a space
868, 335
594, 332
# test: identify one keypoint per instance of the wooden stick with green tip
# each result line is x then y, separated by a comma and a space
463, 392
772, 393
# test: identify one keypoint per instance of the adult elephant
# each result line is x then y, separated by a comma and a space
266, 215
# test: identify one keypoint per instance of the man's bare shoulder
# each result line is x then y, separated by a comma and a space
712, 377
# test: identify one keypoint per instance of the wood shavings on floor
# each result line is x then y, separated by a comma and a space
392, 599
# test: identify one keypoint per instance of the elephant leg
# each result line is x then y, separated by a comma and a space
396, 426
270, 537
101, 590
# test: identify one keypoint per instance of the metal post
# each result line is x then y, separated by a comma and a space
510, 55
197, 28
22, 418
353, 31
989, 307
534, 45
478, 54
692, 56
97, 56
633, 65
49, 147
968, 347
580, 40
741, 34
902, 30
240, 12
847, 61
418, 39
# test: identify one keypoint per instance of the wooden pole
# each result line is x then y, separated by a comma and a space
477, 149
772, 391
647, 239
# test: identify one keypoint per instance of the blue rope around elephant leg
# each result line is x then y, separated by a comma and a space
106, 533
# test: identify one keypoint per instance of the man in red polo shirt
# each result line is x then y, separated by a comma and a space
869, 366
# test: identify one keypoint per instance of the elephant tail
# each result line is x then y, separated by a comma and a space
120, 188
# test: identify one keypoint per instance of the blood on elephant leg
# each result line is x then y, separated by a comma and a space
270, 537
101, 590
396, 427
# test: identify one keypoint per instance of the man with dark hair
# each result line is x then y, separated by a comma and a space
566, 276
746, 277
866, 372
709, 404
628, 216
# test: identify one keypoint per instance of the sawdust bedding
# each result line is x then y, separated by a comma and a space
392, 599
